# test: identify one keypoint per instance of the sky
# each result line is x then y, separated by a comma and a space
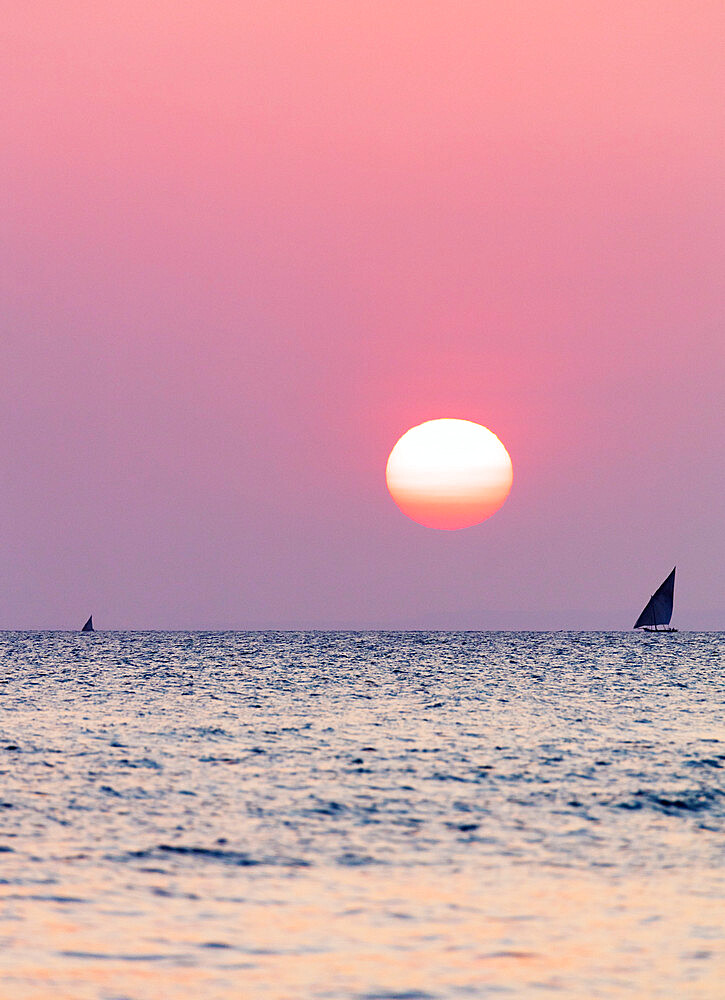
246, 245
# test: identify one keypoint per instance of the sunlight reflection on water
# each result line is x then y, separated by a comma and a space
363, 815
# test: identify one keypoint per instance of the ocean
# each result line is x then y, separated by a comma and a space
363, 815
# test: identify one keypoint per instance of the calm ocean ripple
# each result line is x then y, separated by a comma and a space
374, 816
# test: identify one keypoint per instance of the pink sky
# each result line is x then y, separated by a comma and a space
246, 245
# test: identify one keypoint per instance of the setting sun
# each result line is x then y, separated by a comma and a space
449, 474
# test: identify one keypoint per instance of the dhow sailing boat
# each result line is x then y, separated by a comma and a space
88, 627
658, 611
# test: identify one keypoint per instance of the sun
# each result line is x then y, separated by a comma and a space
449, 474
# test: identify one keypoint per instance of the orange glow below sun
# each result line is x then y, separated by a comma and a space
449, 474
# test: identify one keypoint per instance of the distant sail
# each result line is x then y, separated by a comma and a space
88, 627
659, 607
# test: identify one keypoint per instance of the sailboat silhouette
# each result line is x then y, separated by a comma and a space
658, 610
88, 627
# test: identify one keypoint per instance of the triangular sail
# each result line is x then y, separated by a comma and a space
88, 627
658, 610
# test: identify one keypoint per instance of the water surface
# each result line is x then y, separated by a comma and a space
410, 816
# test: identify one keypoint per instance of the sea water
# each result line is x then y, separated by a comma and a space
411, 816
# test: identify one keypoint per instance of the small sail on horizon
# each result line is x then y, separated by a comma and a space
658, 610
88, 627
